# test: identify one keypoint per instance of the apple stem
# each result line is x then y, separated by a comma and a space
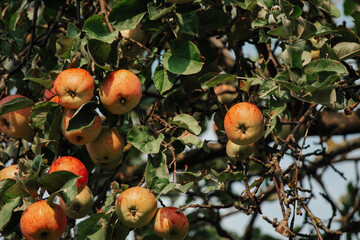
72, 94
122, 100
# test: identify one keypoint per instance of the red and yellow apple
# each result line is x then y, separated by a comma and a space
80, 136
171, 224
108, 147
44, 221
239, 152
135, 207
9, 172
16, 124
225, 93
74, 86
74, 165
244, 123
80, 206
120, 91
50, 95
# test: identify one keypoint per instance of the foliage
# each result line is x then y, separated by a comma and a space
305, 66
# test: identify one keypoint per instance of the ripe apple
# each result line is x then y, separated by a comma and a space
108, 147
135, 207
120, 91
16, 124
179, 1
244, 123
44, 221
80, 206
80, 136
74, 165
225, 93
49, 95
9, 172
239, 152
129, 48
108, 165
74, 86
170, 224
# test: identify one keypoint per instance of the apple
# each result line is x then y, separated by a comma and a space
108, 147
129, 48
80, 206
107, 165
49, 95
120, 91
44, 221
179, 1
135, 207
225, 93
9, 172
74, 165
80, 136
239, 152
244, 123
16, 124
74, 86
170, 224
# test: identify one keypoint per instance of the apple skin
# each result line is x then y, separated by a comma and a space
80, 206
224, 93
43, 221
108, 165
170, 224
74, 165
129, 48
179, 1
16, 124
49, 95
120, 91
239, 152
244, 123
74, 86
108, 147
81, 136
135, 207
9, 172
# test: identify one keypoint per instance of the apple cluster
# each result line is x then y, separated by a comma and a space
119, 93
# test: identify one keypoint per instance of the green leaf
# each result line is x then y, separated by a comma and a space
126, 14
190, 139
292, 56
95, 28
346, 50
99, 51
212, 188
184, 188
72, 31
37, 76
183, 57
314, 68
192, 177
156, 13
140, 137
88, 227
156, 173
258, 23
214, 79
15, 104
163, 80
56, 181
166, 189
268, 87
64, 46
188, 122
83, 117
6, 211
186, 23
230, 176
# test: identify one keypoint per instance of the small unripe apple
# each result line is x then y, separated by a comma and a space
225, 93
16, 124
80, 136
170, 224
239, 152
120, 91
244, 123
129, 48
74, 86
9, 172
135, 207
80, 206
43, 221
74, 165
106, 148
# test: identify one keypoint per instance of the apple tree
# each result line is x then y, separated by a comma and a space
193, 61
